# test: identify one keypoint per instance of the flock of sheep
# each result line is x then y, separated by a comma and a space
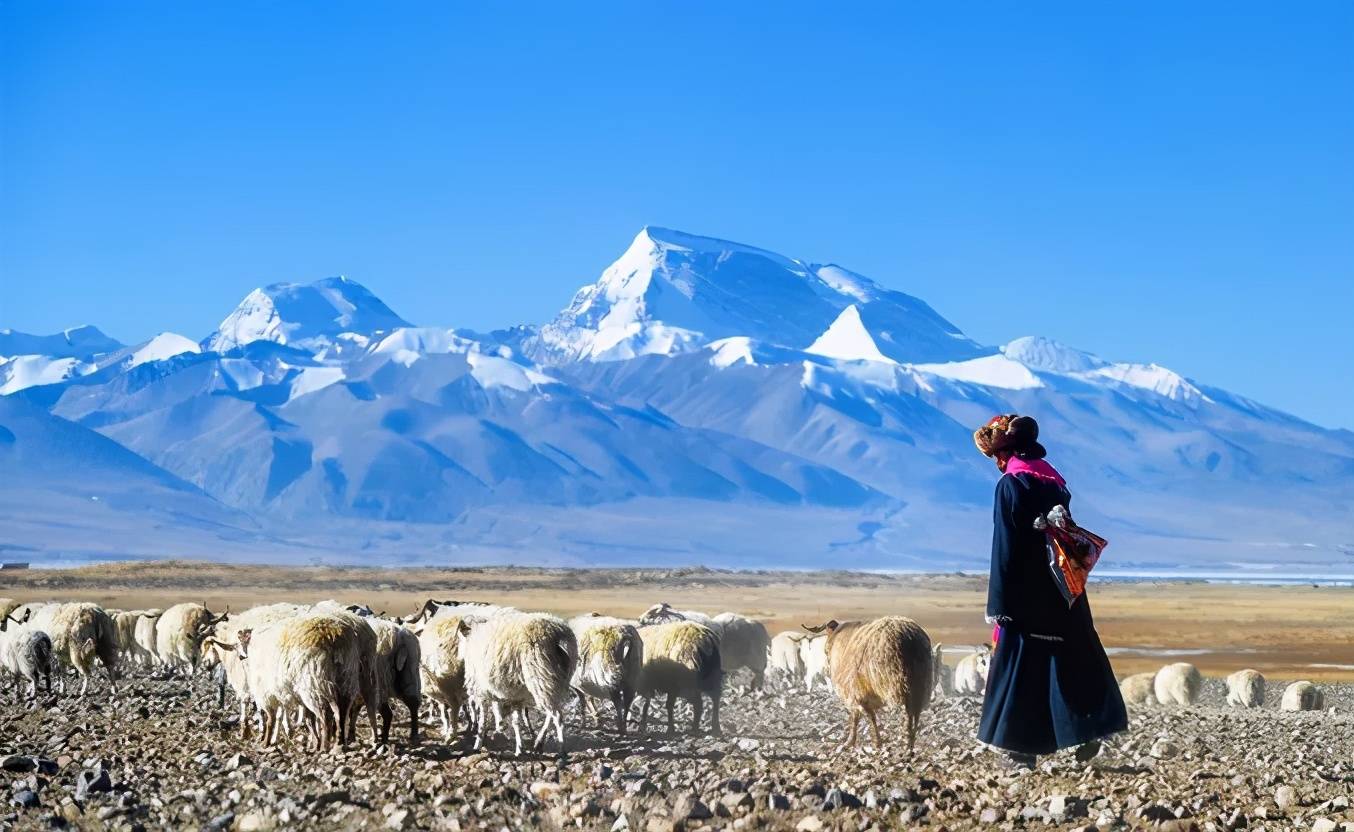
1179, 684
313, 669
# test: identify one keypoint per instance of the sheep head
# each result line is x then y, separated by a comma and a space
660, 614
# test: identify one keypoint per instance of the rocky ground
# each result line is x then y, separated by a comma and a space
160, 754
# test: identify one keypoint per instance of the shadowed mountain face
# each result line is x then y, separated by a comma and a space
703, 401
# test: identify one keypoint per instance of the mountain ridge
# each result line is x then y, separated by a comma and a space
744, 386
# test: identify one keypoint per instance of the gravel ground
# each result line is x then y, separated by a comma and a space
160, 754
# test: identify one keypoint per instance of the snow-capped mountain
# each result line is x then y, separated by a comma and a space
701, 401
331, 314
672, 292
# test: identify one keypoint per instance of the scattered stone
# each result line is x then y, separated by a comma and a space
810, 823
24, 799
1323, 825
92, 781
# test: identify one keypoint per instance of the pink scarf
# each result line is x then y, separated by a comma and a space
1035, 468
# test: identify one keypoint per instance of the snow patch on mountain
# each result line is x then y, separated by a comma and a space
1040, 353
162, 346
989, 371
23, 371
848, 339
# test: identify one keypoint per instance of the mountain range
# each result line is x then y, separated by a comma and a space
702, 401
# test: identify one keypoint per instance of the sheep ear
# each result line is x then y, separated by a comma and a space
463, 628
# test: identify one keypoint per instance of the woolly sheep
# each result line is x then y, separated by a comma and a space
517, 660
1177, 684
886, 662
23, 613
442, 670
785, 658
144, 635
233, 670
26, 654
1302, 696
610, 659
81, 633
473, 610
398, 649
1139, 689
813, 652
179, 634
313, 662
1246, 689
743, 643
970, 674
681, 659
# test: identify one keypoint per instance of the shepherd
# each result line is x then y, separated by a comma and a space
1050, 684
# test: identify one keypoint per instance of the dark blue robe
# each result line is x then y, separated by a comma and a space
1050, 684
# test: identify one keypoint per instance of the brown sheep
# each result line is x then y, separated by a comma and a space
882, 663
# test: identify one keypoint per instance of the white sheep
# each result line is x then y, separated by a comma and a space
7, 606
610, 659
681, 659
784, 657
234, 672
442, 670
312, 662
1302, 696
518, 660
1139, 689
179, 634
472, 610
26, 654
813, 652
1246, 689
970, 674
398, 650
144, 634
1177, 684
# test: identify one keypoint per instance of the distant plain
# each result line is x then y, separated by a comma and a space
1286, 632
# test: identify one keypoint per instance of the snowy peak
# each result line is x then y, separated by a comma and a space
305, 314
672, 292
848, 339
1040, 353
162, 346
83, 342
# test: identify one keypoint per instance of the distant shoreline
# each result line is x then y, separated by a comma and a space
1184, 576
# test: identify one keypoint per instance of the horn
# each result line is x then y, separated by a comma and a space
829, 626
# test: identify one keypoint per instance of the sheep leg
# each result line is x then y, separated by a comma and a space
672, 724
714, 714
697, 707
412, 704
545, 728
244, 720
644, 716
516, 732
618, 699
559, 729
911, 721
850, 741
387, 716
874, 727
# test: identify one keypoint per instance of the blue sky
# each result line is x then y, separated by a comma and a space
1128, 179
